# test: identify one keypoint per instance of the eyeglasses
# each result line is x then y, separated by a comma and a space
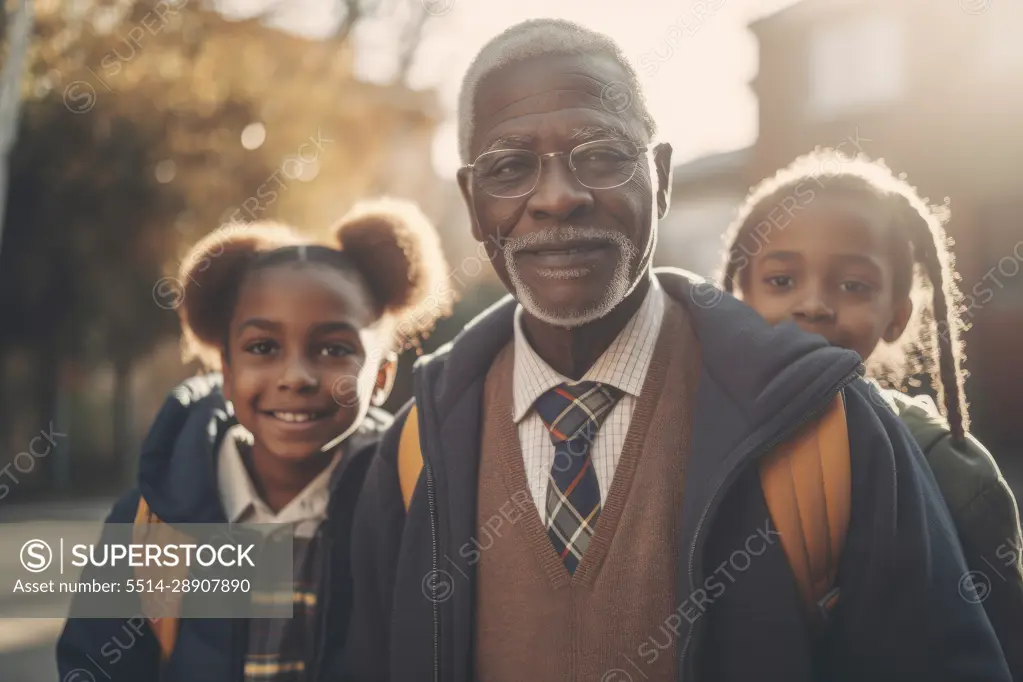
513, 173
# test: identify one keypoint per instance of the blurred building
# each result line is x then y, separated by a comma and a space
936, 89
705, 194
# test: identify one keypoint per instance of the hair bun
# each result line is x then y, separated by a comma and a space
209, 277
397, 249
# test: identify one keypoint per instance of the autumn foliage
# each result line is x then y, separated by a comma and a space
131, 147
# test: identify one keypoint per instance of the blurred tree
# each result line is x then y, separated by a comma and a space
351, 11
17, 33
147, 124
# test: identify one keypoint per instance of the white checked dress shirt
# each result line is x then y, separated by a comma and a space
623, 365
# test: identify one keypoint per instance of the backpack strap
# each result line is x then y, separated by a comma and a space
410, 458
165, 628
807, 482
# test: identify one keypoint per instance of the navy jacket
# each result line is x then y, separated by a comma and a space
985, 514
177, 476
901, 615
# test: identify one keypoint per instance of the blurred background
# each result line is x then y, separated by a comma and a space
130, 128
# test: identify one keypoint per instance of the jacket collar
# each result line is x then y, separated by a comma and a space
177, 466
762, 368
178, 462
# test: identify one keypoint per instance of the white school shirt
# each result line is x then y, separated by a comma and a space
623, 365
244, 505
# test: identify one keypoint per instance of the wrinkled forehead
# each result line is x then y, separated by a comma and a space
545, 102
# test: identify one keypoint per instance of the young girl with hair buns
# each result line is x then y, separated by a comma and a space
303, 337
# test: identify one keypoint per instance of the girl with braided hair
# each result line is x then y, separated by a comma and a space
855, 255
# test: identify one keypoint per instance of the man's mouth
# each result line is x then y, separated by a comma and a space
567, 260
566, 248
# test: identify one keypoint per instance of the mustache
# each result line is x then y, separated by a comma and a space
563, 235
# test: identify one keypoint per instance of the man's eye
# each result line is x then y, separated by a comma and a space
261, 347
603, 155
780, 281
511, 169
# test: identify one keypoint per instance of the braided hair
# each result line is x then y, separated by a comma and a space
921, 256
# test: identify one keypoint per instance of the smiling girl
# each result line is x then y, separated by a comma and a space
305, 335
858, 257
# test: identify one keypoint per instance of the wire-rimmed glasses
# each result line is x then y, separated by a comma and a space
513, 173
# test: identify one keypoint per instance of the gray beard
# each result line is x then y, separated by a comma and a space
569, 318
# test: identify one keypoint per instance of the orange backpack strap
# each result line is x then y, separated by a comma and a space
410, 457
165, 628
807, 482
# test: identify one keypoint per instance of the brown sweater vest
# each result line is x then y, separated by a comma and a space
536, 622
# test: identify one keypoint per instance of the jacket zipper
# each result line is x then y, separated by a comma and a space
808, 416
418, 392
436, 605
240, 639
328, 550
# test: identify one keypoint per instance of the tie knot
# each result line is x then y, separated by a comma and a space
572, 410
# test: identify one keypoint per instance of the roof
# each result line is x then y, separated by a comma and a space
772, 17
810, 10
730, 164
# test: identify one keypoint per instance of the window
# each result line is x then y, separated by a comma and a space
1003, 48
856, 64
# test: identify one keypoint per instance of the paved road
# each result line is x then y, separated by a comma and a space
26, 644
31, 664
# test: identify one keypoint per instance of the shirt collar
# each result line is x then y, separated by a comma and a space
624, 364
241, 501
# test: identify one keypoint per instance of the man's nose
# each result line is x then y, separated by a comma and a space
558, 193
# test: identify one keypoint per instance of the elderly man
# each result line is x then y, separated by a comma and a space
589, 444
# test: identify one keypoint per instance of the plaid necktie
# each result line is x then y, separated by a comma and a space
573, 414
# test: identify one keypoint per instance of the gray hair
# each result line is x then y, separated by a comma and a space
534, 38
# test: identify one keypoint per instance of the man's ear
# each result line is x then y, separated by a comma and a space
385, 379
465, 185
900, 320
662, 164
